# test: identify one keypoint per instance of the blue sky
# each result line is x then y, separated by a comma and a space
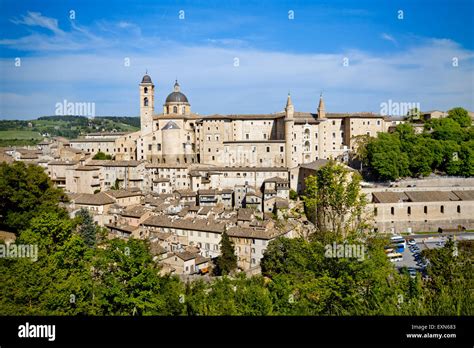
82, 59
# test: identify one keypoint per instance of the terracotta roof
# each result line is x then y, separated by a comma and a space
110, 163
315, 165
421, 196
157, 249
92, 140
94, 199
281, 203
465, 195
62, 163
204, 210
277, 179
85, 169
431, 196
201, 259
161, 180
185, 224
135, 211
257, 233
123, 193
186, 255
186, 193
125, 228
208, 192
245, 214
386, 197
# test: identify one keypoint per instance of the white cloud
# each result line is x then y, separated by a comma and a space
89, 66
37, 19
388, 37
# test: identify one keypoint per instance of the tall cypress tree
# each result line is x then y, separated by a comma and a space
87, 229
227, 261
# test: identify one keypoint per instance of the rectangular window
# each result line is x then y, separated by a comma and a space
459, 209
392, 210
425, 209
268, 148
409, 210
247, 136
281, 148
149, 147
441, 209
375, 211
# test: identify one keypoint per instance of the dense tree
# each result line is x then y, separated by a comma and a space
299, 276
227, 261
385, 157
334, 201
25, 192
127, 279
102, 156
444, 147
445, 129
461, 116
449, 289
87, 228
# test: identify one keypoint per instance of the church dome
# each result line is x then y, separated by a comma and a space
146, 79
176, 96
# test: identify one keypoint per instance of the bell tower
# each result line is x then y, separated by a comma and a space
289, 123
321, 108
147, 104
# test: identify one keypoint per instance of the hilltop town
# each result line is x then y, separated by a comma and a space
184, 179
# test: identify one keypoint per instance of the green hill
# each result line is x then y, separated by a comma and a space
18, 133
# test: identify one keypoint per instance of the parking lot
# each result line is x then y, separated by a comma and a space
423, 242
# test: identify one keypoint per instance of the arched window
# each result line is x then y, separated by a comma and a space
145, 101
175, 109
306, 146
183, 110
306, 133
145, 90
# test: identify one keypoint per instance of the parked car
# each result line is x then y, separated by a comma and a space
412, 272
422, 264
411, 242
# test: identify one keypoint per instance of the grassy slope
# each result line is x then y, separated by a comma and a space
17, 133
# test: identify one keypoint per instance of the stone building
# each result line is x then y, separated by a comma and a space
426, 211
175, 137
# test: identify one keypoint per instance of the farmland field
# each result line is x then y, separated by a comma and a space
19, 134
